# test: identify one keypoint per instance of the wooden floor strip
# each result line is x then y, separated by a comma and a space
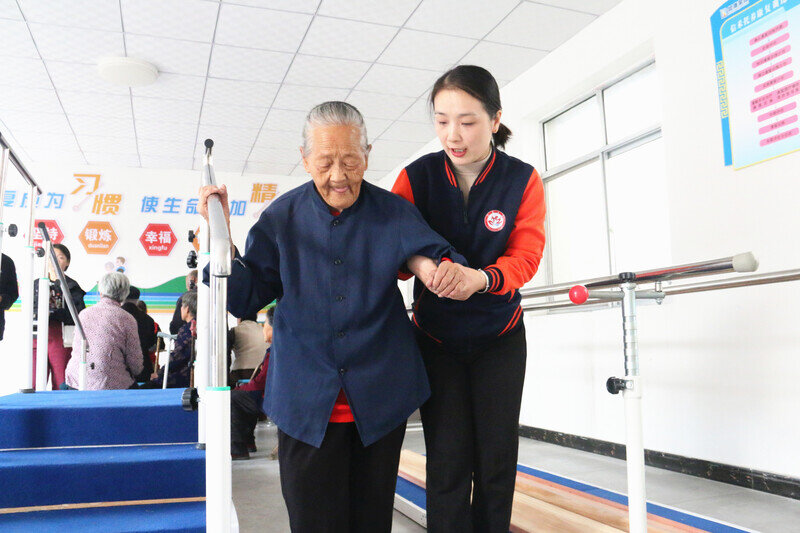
92, 505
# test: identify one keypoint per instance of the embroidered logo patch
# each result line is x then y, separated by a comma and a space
494, 220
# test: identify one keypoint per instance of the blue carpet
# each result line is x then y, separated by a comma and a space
162, 518
80, 475
85, 418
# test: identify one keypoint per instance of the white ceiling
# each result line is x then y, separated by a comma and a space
245, 72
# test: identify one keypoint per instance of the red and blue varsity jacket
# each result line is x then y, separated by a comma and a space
500, 230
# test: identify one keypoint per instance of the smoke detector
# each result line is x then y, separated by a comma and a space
127, 71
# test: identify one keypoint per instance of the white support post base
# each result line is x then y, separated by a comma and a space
218, 460
43, 334
26, 274
634, 446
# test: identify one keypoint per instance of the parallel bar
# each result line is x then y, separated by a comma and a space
20, 167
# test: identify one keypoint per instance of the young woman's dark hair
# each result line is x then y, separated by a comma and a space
480, 84
64, 250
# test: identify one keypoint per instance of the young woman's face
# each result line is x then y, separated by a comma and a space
463, 126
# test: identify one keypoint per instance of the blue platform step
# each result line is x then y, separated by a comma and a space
88, 418
100, 474
153, 518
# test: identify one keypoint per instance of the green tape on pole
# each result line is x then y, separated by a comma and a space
218, 388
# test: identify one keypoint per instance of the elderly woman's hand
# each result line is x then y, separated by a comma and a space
422, 267
456, 282
202, 206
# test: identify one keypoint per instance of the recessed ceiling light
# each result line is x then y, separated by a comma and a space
127, 71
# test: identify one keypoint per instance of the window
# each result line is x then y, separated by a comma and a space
605, 182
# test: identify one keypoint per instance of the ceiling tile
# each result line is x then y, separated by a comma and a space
539, 26
112, 159
15, 39
166, 162
103, 143
96, 104
597, 7
9, 10
382, 148
397, 80
409, 131
325, 71
165, 131
63, 43
170, 55
112, 127
303, 98
420, 49
278, 140
27, 72
379, 105
270, 155
283, 120
175, 86
47, 141
233, 92
419, 112
81, 77
35, 122
502, 60
466, 18
393, 13
224, 152
261, 167
62, 157
302, 6
376, 126
191, 20
183, 148
27, 99
346, 39
244, 26
166, 110
227, 136
244, 117
95, 14
235, 63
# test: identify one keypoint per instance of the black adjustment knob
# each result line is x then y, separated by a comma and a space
627, 276
189, 399
191, 235
40, 252
191, 259
12, 230
615, 385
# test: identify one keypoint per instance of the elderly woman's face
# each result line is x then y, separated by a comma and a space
336, 163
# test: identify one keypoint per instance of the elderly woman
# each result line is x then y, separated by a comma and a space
345, 372
182, 356
114, 355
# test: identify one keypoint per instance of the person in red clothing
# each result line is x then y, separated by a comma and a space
468, 321
246, 403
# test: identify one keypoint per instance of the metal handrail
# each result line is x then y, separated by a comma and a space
70, 304
687, 288
745, 262
20, 167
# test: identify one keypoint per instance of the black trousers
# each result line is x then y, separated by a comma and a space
341, 486
471, 424
245, 408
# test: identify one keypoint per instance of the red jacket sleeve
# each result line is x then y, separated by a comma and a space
521, 259
402, 187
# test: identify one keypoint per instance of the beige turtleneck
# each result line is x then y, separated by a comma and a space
467, 173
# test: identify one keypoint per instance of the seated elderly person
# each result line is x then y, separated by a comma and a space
147, 332
114, 357
182, 357
345, 371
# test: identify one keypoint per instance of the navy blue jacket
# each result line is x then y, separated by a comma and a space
8, 288
500, 230
341, 322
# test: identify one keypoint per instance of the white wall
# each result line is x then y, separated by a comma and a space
721, 368
144, 271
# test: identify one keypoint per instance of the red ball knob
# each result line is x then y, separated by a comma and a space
578, 294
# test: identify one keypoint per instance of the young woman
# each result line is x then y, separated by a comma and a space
490, 207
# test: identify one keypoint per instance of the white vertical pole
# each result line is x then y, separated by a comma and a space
27, 277
82, 367
43, 328
634, 444
3, 168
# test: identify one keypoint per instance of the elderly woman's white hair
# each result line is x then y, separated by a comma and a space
115, 285
334, 113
